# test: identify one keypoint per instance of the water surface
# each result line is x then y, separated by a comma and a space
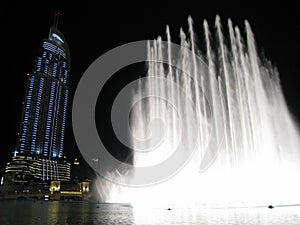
51, 212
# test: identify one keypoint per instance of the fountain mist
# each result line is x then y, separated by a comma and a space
239, 96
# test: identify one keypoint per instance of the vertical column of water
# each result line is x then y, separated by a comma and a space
196, 86
162, 103
146, 89
225, 124
145, 109
170, 91
154, 101
247, 95
259, 91
240, 116
205, 118
213, 85
229, 105
185, 84
141, 113
178, 80
200, 97
154, 105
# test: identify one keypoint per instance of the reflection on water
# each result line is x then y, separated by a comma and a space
67, 212
43, 212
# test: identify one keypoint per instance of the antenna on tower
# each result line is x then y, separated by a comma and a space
56, 18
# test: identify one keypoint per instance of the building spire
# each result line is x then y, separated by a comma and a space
56, 18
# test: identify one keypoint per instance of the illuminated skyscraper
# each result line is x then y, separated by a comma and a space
40, 141
45, 105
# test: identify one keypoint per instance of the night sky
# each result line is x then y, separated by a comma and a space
92, 30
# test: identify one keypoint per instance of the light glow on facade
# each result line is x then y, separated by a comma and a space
39, 152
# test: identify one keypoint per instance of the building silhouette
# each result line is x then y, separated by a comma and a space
39, 151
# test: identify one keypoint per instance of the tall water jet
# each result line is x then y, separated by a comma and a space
248, 149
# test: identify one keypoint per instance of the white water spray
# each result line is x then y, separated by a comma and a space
258, 160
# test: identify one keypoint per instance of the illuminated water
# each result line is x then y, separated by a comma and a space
41, 212
247, 151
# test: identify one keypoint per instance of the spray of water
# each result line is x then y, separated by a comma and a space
239, 106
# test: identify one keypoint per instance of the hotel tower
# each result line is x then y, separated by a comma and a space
38, 154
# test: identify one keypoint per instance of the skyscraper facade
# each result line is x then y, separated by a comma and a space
45, 105
40, 139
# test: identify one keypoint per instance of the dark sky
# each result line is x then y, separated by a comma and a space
91, 30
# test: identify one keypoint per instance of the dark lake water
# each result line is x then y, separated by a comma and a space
51, 212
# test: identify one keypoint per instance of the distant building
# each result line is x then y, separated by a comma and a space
39, 152
25, 169
55, 190
79, 191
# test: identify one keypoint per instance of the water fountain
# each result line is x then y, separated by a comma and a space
248, 148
